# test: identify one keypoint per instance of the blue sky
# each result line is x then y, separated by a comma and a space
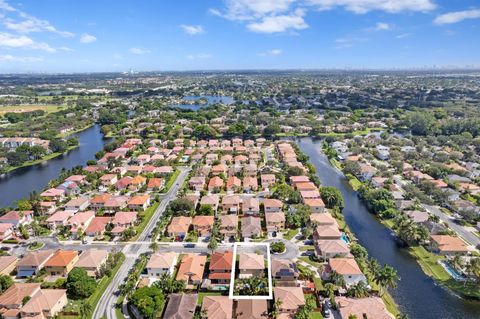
147, 35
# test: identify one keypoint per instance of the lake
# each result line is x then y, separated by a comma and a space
20, 183
211, 99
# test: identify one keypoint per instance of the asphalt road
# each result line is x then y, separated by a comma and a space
106, 304
459, 229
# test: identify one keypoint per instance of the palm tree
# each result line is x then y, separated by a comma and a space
359, 290
337, 279
85, 310
154, 246
457, 262
330, 290
276, 308
402, 316
374, 267
387, 278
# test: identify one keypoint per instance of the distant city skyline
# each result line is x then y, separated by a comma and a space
115, 36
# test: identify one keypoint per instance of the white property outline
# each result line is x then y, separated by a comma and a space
269, 273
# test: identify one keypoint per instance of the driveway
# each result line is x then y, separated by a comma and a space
471, 238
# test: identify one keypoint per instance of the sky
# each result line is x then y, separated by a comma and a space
165, 35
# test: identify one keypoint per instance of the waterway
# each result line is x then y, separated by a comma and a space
417, 295
21, 182
211, 99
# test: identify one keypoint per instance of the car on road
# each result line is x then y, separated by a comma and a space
189, 246
5, 248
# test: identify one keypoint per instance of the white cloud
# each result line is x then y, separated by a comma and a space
199, 56
364, 6
139, 51
32, 24
403, 35
66, 49
265, 16
279, 23
345, 43
13, 41
23, 59
454, 17
272, 52
192, 29
5, 6
87, 38
381, 26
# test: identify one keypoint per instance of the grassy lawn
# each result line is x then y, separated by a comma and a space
354, 182
171, 180
147, 216
202, 295
307, 247
289, 234
335, 163
35, 246
429, 263
390, 304
310, 262
118, 309
310, 300
49, 108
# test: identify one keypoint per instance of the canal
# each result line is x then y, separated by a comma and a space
20, 183
417, 294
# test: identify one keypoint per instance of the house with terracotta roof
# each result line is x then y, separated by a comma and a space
78, 204
210, 200
123, 182
234, 184
231, 204
116, 203
97, 226
219, 169
275, 222
251, 309
272, 205
322, 219
369, 307
33, 262
47, 208
250, 206
161, 263
251, 264
447, 245
251, 227
92, 260
122, 221
181, 306
13, 297
250, 184
80, 221
285, 272
197, 183
291, 299
328, 248
61, 262
179, 227
155, 184
267, 180
191, 269
347, 267
203, 225
17, 217
98, 201
108, 180
7, 264
53, 194
79, 179
139, 202
47, 303
137, 182
59, 219
316, 205
313, 194
294, 180
217, 307
215, 184
228, 226
221, 267
6, 231
327, 232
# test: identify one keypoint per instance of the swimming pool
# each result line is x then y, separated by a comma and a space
451, 271
345, 239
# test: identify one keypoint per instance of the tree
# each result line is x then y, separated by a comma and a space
5, 282
213, 243
148, 300
331, 196
204, 132
85, 309
352, 167
181, 206
387, 278
79, 284
271, 130
277, 247
359, 290
337, 279
154, 246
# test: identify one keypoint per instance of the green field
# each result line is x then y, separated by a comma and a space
49, 108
